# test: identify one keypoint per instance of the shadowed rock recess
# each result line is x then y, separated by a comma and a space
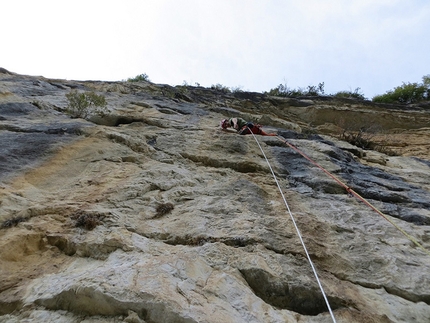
151, 213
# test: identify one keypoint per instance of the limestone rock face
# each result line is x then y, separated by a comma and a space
152, 214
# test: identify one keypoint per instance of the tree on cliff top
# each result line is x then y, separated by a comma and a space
407, 93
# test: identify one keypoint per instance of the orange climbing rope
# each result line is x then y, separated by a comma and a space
352, 192
348, 189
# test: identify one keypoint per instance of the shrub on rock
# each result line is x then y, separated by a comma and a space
82, 104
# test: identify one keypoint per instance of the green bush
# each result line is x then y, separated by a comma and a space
407, 93
82, 104
350, 95
139, 78
284, 91
280, 90
236, 89
220, 88
314, 90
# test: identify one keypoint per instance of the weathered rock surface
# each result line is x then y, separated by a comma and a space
185, 223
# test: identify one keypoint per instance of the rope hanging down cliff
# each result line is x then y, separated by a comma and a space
297, 229
352, 192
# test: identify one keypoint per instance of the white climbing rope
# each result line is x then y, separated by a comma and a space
297, 229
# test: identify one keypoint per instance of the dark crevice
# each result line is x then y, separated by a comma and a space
240, 166
283, 251
62, 243
51, 131
113, 120
189, 240
298, 297
9, 307
390, 290
135, 146
90, 301
407, 214
59, 86
406, 295
168, 110
195, 241
127, 120
13, 222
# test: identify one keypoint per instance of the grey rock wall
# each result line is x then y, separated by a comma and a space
153, 214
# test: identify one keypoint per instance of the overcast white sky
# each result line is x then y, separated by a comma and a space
254, 44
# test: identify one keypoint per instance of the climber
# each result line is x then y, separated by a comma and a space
243, 127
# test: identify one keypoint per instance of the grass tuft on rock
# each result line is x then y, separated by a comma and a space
86, 220
13, 222
163, 209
